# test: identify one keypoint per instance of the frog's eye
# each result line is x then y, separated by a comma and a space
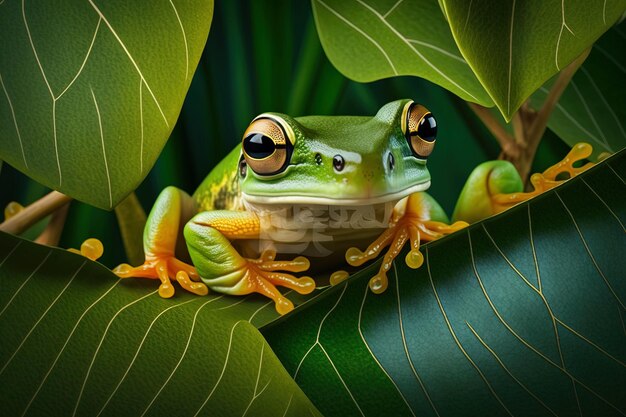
420, 129
267, 147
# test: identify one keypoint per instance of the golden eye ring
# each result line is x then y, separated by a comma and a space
267, 145
420, 129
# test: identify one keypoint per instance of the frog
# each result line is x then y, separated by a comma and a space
331, 189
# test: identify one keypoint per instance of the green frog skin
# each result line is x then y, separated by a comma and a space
320, 186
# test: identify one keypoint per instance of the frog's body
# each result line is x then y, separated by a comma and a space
314, 186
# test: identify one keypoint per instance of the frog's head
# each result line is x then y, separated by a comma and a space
337, 160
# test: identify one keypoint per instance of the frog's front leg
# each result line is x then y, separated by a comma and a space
162, 234
223, 269
416, 218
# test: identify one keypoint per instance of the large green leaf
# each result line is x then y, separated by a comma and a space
521, 314
593, 107
91, 90
372, 39
515, 46
78, 341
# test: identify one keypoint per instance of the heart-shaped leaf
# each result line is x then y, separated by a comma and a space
368, 40
593, 107
521, 314
514, 47
76, 340
91, 90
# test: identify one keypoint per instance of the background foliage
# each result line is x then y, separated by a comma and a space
250, 66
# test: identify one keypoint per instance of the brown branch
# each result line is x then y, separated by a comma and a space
52, 233
519, 129
506, 141
34, 212
538, 125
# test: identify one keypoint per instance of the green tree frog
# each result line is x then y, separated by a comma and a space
313, 188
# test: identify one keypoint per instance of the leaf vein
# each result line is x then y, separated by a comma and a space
501, 363
132, 60
405, 345
17, 129
182, 29
372, 353
80, 319
219, 379
24, 283
417, 52
457, 341
182, 356
605, 204
593, 259
93, 359
132, 362
104, 154
604, 100
82, 66
365, 35
521, 339
15, 352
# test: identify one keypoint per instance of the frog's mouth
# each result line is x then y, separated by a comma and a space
335, 201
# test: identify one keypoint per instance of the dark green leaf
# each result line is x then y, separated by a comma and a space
593, 107
370, 40
91, 92
78, 341
521, 314
514, 46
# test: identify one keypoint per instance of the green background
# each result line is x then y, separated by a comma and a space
250, 65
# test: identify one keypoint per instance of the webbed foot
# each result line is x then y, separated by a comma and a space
414, 226
262, 275
550, 178
164, 268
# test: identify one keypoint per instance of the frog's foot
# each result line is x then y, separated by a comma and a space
408, 228
164, 268
338, 277
550, 178
91, 248
262, 275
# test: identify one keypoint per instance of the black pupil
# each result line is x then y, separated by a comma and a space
338, 162
258, 146
427, 129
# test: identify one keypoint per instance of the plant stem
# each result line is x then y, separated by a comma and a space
535, 123
506, 141
52, 233
528, 125
538, 125
131, 218
34, 212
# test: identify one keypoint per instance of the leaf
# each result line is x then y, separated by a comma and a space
521, 314
514, 46
93, 89
593, 107
370, 40
78, 341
